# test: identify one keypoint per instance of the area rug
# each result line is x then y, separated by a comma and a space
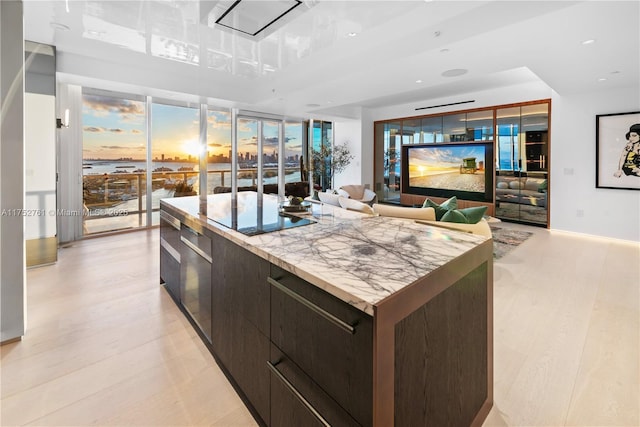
505, 240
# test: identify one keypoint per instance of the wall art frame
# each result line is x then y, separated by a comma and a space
618, 151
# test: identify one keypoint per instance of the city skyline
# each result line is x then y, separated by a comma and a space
114, 128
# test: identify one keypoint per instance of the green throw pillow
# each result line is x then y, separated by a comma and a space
454, 216
442, 208
542, 188
471, 215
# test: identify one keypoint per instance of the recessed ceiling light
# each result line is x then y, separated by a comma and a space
590, 41
418, 81
454, 72
445, 50
602, 79
59, 26
352, 34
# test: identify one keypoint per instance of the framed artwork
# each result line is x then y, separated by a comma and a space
618, 151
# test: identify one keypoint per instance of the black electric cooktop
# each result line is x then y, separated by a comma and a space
252, 214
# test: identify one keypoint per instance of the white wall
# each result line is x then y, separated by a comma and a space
40, 165
351, 133
576, 204
488, 98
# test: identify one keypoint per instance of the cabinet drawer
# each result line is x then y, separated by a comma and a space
297, 401
331, 341
170, 273
170, 230
195, 278
197, 242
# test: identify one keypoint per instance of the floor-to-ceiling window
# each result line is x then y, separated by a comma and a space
138, 145
247, 134
114, 162
387, 161
175, 150
219, 149
261, 153
270, 151
294, 164
320, 147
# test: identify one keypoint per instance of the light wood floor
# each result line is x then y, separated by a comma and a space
107, 346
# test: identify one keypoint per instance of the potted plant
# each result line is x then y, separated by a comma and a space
183, 188
328, 161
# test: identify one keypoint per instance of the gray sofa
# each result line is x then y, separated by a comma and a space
522, 190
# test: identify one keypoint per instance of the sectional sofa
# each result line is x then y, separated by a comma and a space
522, 190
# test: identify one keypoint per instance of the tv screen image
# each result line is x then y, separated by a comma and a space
453, 167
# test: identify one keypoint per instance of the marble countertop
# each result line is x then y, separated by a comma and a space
358, 258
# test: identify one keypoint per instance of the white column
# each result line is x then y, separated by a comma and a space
260, 153
12, 247
70, 197
204, 161
148, 119
281, 158
234, 166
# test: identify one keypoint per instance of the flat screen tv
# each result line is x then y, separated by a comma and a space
445, 170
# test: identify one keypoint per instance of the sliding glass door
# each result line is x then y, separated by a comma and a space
522, 163
114, 162
175, 152
134, 146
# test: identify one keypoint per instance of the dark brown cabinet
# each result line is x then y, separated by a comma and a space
170, 254
297, 400
300, 356
240, 319
195, 277
329, 340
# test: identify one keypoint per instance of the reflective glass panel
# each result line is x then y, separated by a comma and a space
219, 149
454, 127
480, 126
432, 129
411, 130
114, 163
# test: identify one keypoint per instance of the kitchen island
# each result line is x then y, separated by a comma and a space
335, 317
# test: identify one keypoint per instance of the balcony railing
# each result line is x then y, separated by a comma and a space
118, 200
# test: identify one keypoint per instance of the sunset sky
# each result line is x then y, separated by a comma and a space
114, 128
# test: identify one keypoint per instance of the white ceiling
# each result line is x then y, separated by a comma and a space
311, 66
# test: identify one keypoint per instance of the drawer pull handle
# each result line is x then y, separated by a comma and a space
171, 220
297, 394
170, 249
322, 312
196, 249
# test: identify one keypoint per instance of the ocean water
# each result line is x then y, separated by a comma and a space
221, 172
100, 167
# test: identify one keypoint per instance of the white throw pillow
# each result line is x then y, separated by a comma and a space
330, 199
342, 193
515, 185
355, 205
